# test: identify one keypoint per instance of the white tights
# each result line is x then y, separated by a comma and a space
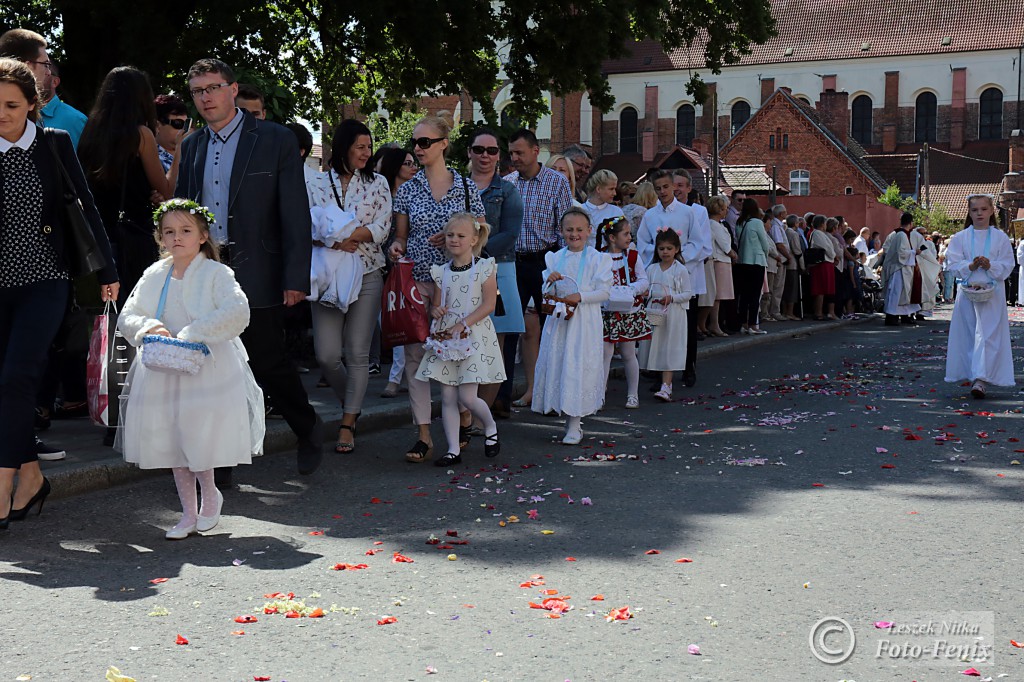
451, 398
628, 351
185, 480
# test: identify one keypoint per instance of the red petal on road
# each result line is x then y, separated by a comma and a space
261, 678
316, 613
597, 597
293, 614
684, 560
375, 500
972, 672
245, 619
653, 551
817, 485
618, 614
1016, 644
888, 466
238, 632
452, 533
180, 640
379, 542
316, 532
397, 558
270, 610
387, 620
549, 592
157, 581
570, 558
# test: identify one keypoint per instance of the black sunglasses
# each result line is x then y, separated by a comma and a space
479, 149
176, 123
425, 142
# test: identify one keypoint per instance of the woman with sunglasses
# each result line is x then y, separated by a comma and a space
171, 119
423, 206
504, 209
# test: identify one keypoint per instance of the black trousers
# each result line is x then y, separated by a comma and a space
749, 279
691, 336
264, 342
29, 318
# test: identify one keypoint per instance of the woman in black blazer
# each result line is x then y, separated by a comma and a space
34, 281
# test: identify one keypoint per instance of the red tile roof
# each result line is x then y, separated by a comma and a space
954, 196
817, 30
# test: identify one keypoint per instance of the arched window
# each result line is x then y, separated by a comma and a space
740, 115
799, 183
990, 122
860, 113
686, 125
926, 118
508, 121
627, 131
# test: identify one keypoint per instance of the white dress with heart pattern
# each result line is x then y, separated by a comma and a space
463, 293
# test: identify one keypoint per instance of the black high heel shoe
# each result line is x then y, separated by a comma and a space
40, 497
491, 446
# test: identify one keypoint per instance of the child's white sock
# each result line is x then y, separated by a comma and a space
185, 482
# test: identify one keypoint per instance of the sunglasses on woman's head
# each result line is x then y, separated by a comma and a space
480, 149
425, 142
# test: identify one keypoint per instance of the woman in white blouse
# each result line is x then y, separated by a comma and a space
342, 339
723, 257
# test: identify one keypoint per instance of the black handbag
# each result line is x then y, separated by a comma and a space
81, 251
814, 255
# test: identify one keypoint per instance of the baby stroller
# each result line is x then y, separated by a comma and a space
872, 297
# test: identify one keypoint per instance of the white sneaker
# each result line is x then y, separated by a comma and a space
573, 437
665, 394
756, 332
632, 402
47, 453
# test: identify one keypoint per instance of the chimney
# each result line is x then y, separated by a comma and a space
648, 146
767, 89
834, 108
957, 125
787, 90
651, 111
828, 82
891, 109
888, 138
1017, 151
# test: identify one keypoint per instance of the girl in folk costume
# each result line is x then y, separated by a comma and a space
463, 351
981, 257
666, 351
190, 423
624, 328
898, 273
570, 349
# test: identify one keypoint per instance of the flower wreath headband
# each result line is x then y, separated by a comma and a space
183, 205
608, 224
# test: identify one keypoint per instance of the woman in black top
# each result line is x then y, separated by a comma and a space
34, 280
122, 165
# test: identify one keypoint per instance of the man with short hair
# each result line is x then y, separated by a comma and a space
861, 242
248, 173
171, 117
546, 197
735, 208
30, 47
249, 98
581, 164
777, 275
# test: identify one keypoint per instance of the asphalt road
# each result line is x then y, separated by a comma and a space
829, 476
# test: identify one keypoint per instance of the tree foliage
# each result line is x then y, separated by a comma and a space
934, 218
387, 53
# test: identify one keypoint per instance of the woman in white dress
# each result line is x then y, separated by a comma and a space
567, 380
980, 255
190, 423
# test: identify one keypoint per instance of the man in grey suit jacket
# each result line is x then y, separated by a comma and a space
249, 173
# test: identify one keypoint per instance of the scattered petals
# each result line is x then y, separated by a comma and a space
398, 558
1016, 644
622, 613
693, 650
547, 532
585, 501
158, 581
180, 640
653, 551
293, 614
316, 613
315, 532
387, 620
245, 619
597, 597
533, 514
684, 560
348, 567
888, 466
971, 672
570, 558
883, 624
238, 632
261, 678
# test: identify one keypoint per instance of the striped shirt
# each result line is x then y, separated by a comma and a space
545, 198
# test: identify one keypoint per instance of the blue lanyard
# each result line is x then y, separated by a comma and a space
163, 295
583, 263
988, 243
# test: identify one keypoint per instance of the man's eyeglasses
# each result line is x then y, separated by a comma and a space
176, 123
208, 90
409, 163
479, 150
425, 142
46, 65
583, 166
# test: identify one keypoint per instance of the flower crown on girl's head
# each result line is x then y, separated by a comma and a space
608, 224
183, 205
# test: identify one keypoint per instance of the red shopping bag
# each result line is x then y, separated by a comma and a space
403, 316
110, 356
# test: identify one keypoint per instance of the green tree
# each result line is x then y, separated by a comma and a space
935, 218
388, 53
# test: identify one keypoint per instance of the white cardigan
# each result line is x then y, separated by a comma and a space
213, 300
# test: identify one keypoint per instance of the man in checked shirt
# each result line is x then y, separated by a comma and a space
546, 197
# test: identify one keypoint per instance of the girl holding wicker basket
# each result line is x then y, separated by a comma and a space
668, 307
577, 281
462, 350
190, 401
981, 257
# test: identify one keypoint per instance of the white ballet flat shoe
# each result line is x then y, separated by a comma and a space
205, 523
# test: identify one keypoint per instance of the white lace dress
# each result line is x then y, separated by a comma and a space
200, 422
463, 293
569, 378
666, 350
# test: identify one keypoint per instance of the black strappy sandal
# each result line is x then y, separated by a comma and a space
345, 448
448, 460
491, 446
420, 452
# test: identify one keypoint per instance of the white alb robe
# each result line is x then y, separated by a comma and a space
979, 333
898, 273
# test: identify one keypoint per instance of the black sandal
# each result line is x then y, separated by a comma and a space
491, 446
465, 436
345, 448
419, 452
448, 460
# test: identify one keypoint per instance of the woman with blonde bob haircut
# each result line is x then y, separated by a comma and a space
564, 166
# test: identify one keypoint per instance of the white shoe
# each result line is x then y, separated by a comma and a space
665, 394
632, 402
978, 389
756, 332
180, 532
573, 437
205, 523
745, 330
